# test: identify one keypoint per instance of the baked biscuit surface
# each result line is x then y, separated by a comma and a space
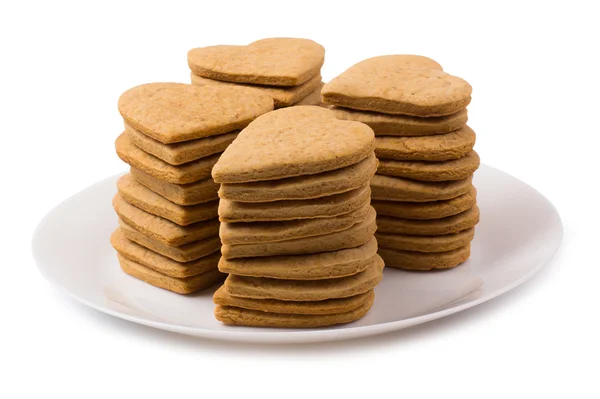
322, 265
303, 187
399, 84
174, 112
293, 141
439, 147
247, 317
454, 169
403, 125
282, 96
275, 62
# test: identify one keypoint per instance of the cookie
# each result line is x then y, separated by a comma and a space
356, 235
163, 230
162, 264
439, 147
313, 98
179, 285
411, 260
426, 210
178, 174
296, 290
431, 227
262, 232
455, 169
257, 318
183, 152
399, 84
272, 62
303, 187
329, 306
293, 141
390, 188
441, 243
184, 253
324, 207
174, 112
182, 194
147, 200
324, 265
282, 96
403, 125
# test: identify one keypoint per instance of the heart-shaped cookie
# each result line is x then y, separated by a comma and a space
174, 112
399, 84
282, 96
274, 62
438, 147
403, 125
293, 141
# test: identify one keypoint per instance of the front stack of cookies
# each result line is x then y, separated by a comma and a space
297, 226
287, 69
423, 192
167, 204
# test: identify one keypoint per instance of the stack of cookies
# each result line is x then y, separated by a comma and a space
422, 191
287, 69
167, 204
297, 226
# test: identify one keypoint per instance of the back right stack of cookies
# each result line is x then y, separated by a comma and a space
423, 192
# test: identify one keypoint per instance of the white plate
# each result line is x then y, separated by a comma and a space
519, 232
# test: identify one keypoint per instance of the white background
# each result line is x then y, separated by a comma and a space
535, 73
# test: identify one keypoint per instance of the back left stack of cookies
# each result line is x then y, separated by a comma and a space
297, 226
167, 204
287, 69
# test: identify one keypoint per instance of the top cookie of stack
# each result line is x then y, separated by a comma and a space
422, 190
286, 69
167, 206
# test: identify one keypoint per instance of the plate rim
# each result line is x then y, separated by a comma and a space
290, 336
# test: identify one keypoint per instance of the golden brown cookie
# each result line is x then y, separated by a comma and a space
439, 147
399, 84
183, 152
403, 125
257, 318
263, 232
147, 200
324, 207
329, 306
324, 265
179, 174
273, 62
293, 141
431, 227
182, 194
455, 169
162, 264
412, 260
305, 290
419, 243
186, 285
352, 237
282, 96
303, 187
174, 112
426, 210
390, 188
184, 253
163, 230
